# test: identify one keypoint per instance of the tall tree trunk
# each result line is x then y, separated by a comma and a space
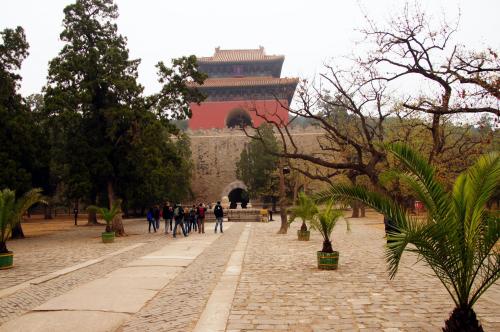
355, 209
355, 204
47, 211
92, 215
295, 192
363, 210
284, 221
117, 224
17, 231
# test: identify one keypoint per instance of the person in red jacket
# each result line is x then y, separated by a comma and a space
201, 217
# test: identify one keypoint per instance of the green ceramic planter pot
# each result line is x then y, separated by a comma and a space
328, 261
303, 235
6, 260
108, 237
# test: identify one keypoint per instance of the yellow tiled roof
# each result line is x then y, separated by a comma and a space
245, 81
240, 56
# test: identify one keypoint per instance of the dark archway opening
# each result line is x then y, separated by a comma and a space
238, 195
238, 118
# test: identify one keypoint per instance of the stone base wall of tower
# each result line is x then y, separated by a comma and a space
215, 153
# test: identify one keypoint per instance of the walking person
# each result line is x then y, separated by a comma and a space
219, 215
167, 216
186, 220
192, 219
200, 216
179, 216
156, 216
151, 220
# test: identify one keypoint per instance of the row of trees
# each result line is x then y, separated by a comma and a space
92, 135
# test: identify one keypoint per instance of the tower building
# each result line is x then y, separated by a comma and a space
238, 82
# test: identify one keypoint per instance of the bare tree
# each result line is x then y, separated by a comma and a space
360, 107
462, 81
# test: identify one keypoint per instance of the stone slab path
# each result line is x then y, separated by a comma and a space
214, 316
178, 306
114, 297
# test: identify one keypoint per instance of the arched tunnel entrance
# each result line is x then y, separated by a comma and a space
238, 118
238, 195
236, 192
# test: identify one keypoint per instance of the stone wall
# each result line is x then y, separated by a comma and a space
215, 153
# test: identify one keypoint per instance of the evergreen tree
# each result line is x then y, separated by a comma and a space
23, 164
257, 166
108, 137
15, 161
92, 89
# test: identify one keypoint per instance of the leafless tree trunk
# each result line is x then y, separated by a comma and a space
282, 200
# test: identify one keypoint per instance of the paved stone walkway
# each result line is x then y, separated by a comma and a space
179, 305
279, 285
282, 289
40, 255
28, 298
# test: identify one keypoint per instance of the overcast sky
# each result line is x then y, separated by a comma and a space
307, 32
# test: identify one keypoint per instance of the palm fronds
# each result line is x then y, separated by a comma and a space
306, 209
324, 222
12, 210
107, 214
457, 240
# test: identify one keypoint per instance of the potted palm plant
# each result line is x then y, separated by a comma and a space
11, 212
324, 222
108, 215
305, 210
458, 238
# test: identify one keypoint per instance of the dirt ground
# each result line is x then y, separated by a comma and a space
38, 226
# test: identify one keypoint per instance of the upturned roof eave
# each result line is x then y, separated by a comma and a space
210, 60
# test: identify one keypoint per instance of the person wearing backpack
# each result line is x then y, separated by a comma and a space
179, 216
219, 215
192, 219
201, 218
168, 214
156, 216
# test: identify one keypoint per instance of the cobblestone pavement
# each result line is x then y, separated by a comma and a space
281, 288
179, 305
38, 256
35, 257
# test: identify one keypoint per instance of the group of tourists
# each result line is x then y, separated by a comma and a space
188, 219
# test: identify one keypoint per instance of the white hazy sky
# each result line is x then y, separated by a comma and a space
307, 32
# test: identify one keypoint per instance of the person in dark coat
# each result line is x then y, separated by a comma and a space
168, 214
179, 216
156, 216
219, 215
192, 219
